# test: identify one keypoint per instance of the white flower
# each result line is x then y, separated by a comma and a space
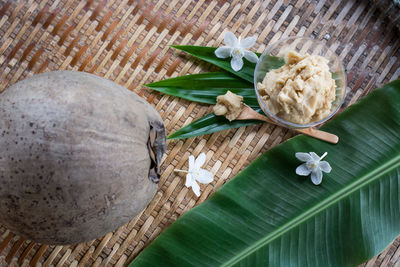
196, 173
313, 165
237, 49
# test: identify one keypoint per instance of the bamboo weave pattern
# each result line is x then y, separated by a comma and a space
127, 41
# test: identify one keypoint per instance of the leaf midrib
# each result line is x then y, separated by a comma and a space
333, 199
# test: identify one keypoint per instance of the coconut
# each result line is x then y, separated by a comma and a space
80, 156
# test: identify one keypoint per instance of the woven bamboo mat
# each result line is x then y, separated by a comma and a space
126, 41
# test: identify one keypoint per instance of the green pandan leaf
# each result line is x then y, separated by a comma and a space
246, 73
210, 124
205, 87
269, 216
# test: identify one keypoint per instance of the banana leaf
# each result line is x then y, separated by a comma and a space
269, 216
205, 87
246, 73
210, 124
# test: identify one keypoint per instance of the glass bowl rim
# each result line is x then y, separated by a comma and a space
281, 121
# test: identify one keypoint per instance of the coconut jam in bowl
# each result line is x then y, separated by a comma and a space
299, 82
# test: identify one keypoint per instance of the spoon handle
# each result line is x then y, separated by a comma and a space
321, 135
249, 113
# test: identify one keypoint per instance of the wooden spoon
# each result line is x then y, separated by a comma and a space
250, 114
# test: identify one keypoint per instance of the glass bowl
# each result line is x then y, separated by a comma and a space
273, 58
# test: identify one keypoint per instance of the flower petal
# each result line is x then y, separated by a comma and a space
230, 39
191, 163
248, 42
205, 176
316, 176
223, 52
237, 63
303, 156
200, 161
314, 156
303, 170
196, 189
189, 180
250, 56
325, 166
